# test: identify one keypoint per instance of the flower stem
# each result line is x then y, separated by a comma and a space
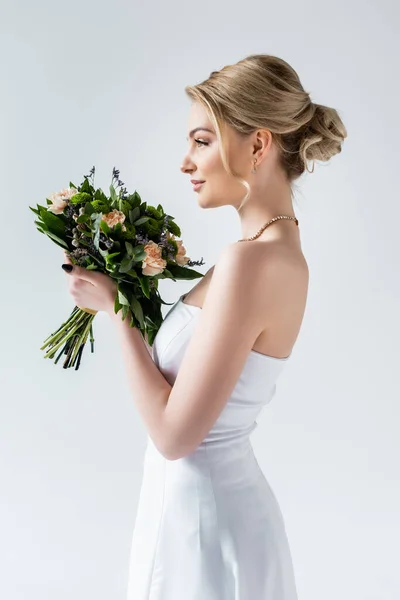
72, 321
78, 322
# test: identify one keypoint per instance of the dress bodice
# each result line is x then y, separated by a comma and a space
254, 389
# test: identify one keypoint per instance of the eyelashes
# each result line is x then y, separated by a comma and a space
201, 142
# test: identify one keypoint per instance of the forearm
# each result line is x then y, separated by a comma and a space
149, 388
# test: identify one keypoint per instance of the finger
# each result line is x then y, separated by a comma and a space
91, 277
67, 259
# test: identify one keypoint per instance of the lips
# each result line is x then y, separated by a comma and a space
197, 186
195, 181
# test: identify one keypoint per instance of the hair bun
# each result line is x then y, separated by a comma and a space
323, 135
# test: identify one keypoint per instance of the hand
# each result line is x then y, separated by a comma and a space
91, 289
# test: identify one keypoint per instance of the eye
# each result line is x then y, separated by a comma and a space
201, 142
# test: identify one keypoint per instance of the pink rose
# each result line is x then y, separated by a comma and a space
114, 217
181, 257
153, 264
60, 200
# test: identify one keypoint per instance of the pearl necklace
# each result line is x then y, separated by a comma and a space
259, 232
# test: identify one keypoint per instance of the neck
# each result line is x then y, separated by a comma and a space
262, 206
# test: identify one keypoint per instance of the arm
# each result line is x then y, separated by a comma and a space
149, 387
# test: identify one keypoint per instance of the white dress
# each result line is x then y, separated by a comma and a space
208, 525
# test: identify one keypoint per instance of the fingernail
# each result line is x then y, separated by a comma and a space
67, 267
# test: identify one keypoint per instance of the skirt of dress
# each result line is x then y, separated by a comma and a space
208, 527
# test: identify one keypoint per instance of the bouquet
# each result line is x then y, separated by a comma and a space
123, 237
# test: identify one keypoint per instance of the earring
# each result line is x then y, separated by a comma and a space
254, 170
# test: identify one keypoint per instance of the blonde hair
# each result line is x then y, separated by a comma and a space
263, 91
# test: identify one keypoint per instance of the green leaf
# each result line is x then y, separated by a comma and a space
141, 220
122, 298
53, 222
135, 199
109, 256
132, 273
117, 304
85, 218
100, 195
113, 270
113, 193
178, 272
129, 248
140, 256
56, 239
105, 227
174, 228
144, 282
89, 209
167, 273
137, 310
86, 187
138, 249
134, 214
126, 264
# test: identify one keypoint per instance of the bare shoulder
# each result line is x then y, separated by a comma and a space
264, 260
269, 279
274, 277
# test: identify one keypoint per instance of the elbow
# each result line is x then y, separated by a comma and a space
172, 455
167, 451
173, 450
178, 439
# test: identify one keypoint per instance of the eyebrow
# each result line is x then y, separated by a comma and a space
191, 134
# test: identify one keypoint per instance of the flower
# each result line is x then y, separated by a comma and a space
60, 200
153, 264
114, 217
181, 257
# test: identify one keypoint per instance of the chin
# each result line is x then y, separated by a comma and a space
206, 203
202, 201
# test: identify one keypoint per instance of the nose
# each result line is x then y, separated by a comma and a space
185, 168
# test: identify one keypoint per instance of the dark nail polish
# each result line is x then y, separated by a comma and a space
67, 267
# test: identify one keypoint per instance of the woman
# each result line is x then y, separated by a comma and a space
208, 525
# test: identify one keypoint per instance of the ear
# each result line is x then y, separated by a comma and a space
262, 144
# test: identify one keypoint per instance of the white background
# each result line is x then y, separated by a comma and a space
102, 83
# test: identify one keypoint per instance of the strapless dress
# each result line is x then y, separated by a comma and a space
208, 526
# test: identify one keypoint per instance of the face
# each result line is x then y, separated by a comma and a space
203, 161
